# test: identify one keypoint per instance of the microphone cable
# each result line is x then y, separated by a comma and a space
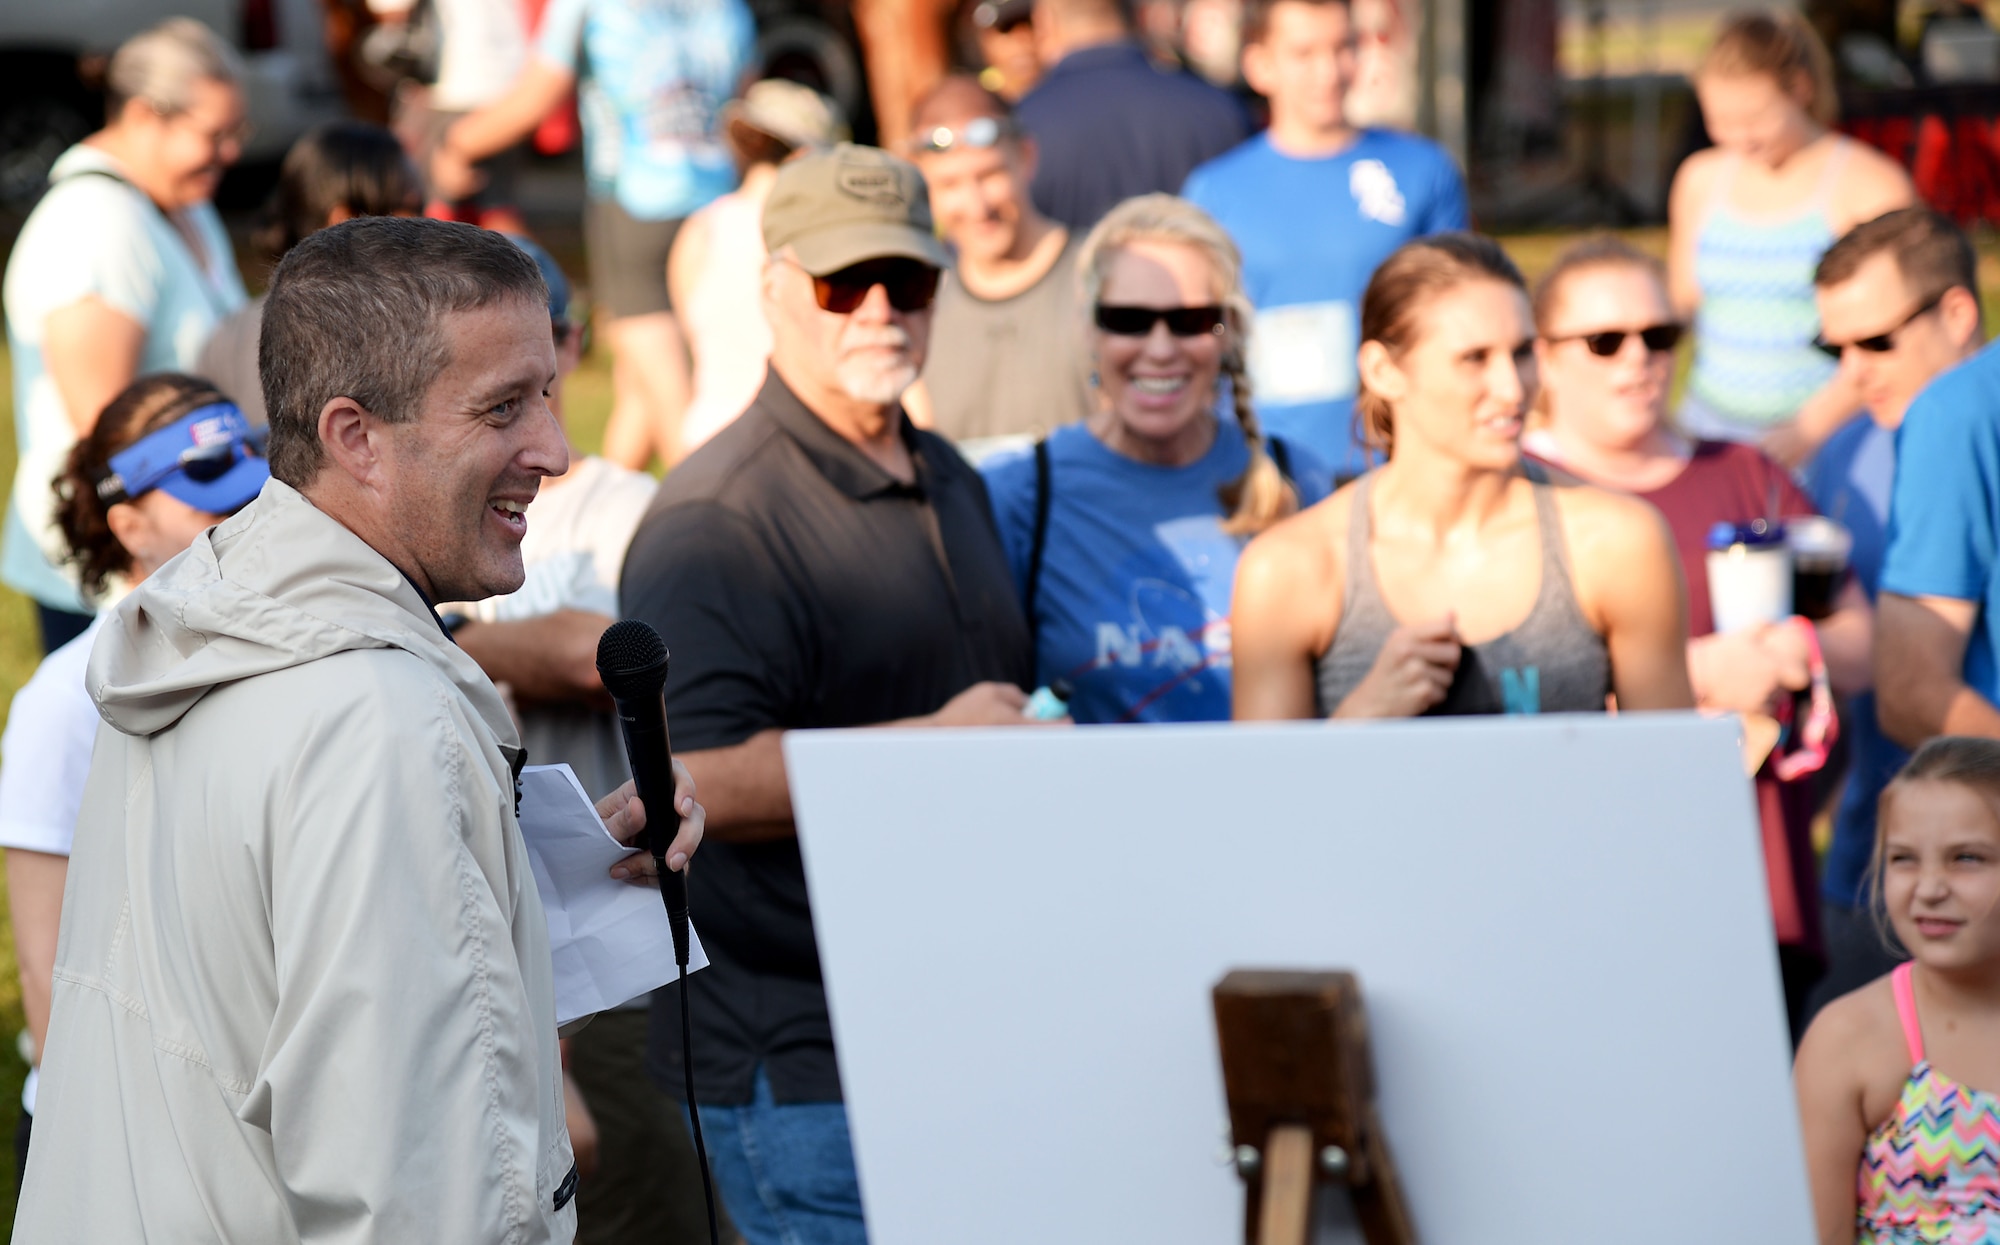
632, 664
694, 1112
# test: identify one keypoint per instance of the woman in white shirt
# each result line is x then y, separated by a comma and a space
165, 459
123, 268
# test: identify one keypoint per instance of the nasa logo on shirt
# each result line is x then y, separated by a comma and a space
1376, 195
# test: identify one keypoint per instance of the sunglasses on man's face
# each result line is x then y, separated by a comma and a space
1881, 343
1659, 339
910, 284
1139, 321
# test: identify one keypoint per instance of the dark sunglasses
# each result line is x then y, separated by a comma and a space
1659, 339
1881, 343
1139, 321
910, 284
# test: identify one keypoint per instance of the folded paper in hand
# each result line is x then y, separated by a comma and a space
611, 940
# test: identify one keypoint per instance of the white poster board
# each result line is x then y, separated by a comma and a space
1560, 926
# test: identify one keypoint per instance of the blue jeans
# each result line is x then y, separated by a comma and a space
786, 1173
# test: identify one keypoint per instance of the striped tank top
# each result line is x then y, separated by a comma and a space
1930, 1175
1754, 361
1554, 662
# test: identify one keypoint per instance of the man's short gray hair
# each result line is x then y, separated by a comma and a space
162, 66
356, 311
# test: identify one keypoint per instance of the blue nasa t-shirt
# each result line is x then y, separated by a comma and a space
1133, 604
1312, 232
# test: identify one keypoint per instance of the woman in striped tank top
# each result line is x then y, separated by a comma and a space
1897, 1081
1750, 218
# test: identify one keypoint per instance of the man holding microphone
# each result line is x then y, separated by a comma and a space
304, 991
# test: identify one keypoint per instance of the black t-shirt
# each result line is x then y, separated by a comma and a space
798, 585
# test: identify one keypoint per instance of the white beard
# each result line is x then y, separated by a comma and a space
864, 379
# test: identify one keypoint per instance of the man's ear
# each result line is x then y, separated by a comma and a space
1027, 158
351, 435
1962, 319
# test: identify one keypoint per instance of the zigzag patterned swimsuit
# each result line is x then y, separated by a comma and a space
1930, 1175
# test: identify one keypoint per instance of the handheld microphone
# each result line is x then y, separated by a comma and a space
632, 662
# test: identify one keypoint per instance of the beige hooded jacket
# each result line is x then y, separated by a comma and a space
303, 989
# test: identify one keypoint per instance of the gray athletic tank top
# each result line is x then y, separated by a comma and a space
1552, 663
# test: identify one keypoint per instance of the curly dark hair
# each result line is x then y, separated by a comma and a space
149, 403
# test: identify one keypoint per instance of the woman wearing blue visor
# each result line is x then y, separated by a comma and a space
169, 457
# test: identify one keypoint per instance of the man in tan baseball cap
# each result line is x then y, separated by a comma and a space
854, 266
821, 562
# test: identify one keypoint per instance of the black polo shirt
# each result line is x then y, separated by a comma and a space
798, 585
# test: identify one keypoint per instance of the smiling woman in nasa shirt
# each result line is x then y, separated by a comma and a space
1147, 503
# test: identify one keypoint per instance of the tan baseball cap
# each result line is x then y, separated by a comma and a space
839, 207
793, 114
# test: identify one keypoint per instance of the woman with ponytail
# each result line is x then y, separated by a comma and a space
1124, 529
168, 457
1448, 580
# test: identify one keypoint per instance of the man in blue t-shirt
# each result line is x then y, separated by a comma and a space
1868, 282
1937, 669
1108, 122
1315, 204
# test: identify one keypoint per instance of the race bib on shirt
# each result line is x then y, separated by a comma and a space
1304, 353
1376, 195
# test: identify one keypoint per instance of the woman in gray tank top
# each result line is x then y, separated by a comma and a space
1450, 580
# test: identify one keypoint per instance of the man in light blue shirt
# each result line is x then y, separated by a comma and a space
1937, 646
1868, 285
1315, 204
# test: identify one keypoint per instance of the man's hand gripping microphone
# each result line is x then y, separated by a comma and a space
632, 662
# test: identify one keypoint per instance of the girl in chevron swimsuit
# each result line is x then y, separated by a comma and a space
1901, 1148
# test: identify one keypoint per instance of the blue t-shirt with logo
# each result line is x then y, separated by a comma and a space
1133, 603
651, 77
1312, 232
1849, 481
1944, 514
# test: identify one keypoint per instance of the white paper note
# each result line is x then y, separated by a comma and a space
611, 941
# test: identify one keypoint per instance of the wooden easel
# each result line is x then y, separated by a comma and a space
1301, 1087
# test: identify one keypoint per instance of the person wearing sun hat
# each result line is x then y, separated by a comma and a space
168, 457
820, 563
713, 269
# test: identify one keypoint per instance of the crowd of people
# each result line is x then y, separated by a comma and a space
1087, 405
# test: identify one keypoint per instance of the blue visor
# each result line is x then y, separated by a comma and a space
209, 458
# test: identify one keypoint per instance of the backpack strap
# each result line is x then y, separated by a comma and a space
1281, 456
1038, 543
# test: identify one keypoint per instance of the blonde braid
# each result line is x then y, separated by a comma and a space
1261, 495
